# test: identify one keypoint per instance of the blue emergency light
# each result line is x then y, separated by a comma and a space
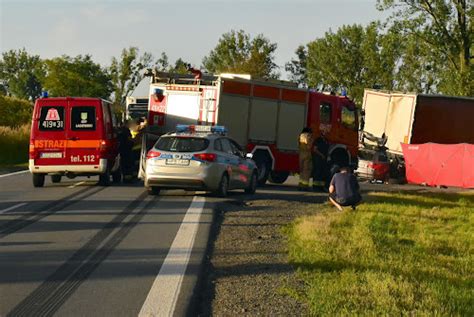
186, 128
44, 94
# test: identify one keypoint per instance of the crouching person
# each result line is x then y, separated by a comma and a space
344, 189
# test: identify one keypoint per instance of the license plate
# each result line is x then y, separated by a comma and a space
51, 155
177, 162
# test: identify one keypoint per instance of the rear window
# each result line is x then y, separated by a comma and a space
83, 118
182, 144
51, 118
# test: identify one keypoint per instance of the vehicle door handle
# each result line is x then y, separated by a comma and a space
74, 138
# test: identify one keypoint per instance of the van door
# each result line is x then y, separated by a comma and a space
86, 132
49, 132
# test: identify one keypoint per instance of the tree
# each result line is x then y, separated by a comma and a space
76, 76
21, 74
354, 58
127, 72
298, 67
445, 27
237, 52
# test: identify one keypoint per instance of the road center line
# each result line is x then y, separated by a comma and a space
12, 207
76, 184
163, 295
15, 173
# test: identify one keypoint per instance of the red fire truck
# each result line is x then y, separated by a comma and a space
264, 116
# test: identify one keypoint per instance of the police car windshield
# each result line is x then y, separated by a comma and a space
181, 144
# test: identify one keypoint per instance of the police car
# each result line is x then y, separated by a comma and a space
199, 158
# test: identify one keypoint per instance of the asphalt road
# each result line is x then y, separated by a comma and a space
78, 249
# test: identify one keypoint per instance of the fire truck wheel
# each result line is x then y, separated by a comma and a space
117, 176
56, 178
38, 180
221, 191
104, 179
278, 177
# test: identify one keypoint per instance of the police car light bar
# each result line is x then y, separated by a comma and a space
201, 128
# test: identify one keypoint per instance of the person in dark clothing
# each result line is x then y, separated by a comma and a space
344, 189
125, 150
320, 173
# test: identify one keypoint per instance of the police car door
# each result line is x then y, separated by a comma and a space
231, 162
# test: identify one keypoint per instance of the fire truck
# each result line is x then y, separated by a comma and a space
264, 116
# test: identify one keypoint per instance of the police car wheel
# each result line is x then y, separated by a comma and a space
38, 180
252, 187
56, 178
223, 186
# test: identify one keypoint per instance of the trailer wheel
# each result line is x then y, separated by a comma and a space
278, 177
38, 180
263, 167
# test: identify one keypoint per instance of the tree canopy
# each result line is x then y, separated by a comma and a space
238, 52
127, 72
21, 74
76, 76
445, 30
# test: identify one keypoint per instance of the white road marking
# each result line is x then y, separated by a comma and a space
16, 173
76, 184
163, 295
12, 207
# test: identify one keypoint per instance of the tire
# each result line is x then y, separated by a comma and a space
38, 180
117, 176
223, 188
104, 179
278, 177
153, 190
263, 168
56, 178
252, 186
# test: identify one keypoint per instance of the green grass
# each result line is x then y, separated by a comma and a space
398, 254
14, 144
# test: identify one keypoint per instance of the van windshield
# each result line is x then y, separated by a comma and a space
83, 118
182, 144
51, 118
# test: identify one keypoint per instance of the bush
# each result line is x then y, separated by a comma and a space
14, 143
14, 112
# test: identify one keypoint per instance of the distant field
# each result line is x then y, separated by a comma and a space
14, 144
398, 254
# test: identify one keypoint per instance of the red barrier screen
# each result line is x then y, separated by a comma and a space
440, 164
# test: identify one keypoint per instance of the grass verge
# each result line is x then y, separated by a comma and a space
398, 254
14, 144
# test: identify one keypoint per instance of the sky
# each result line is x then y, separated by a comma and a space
182, 28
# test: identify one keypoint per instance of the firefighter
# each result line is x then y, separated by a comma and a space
320, 170
125, 150
305, 145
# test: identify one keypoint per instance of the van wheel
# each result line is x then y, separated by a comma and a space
104, 179
223, 186
56, 178
38, 180
117, 176
252, 186
153, 190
